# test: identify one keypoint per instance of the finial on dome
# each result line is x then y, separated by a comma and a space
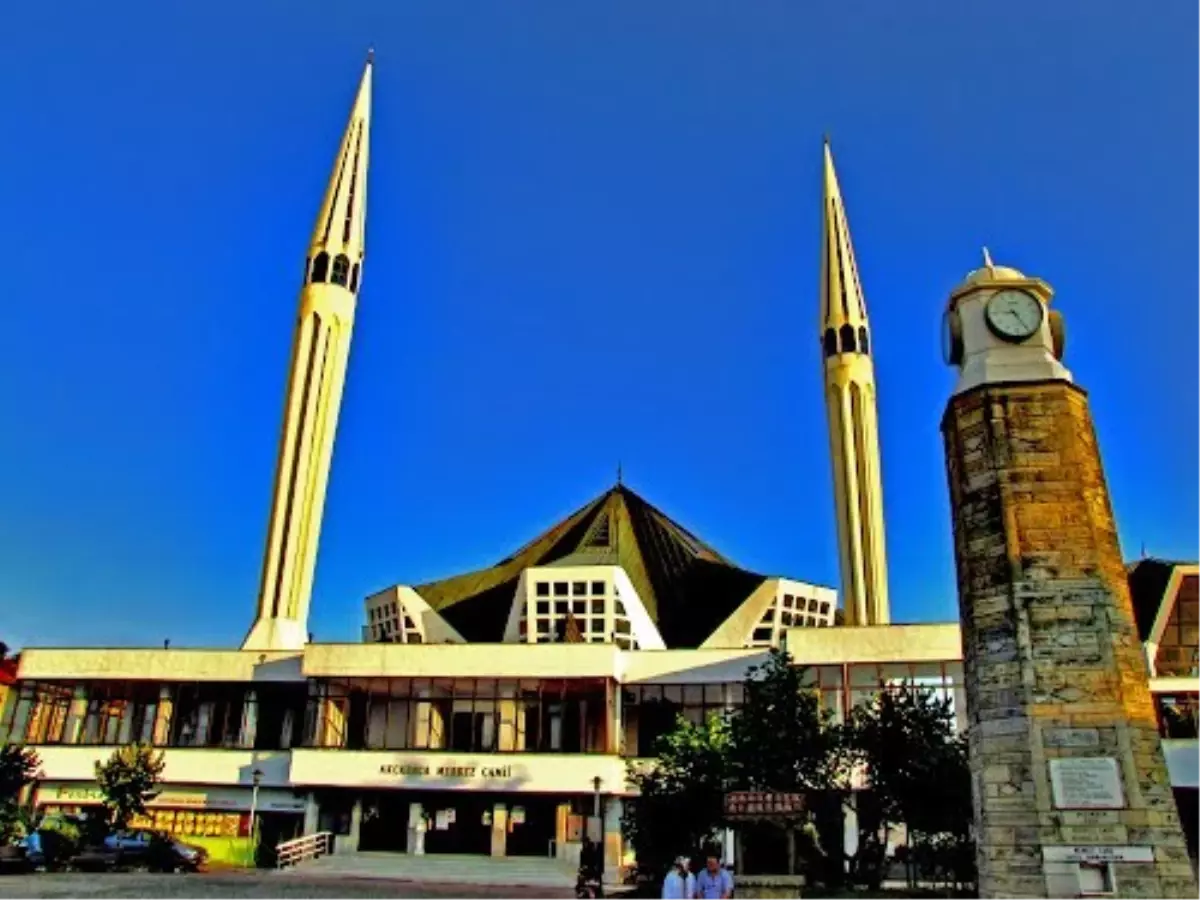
987, 259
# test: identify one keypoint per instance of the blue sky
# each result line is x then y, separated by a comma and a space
593, 237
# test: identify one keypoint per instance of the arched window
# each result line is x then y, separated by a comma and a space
830, 342
354, 279
320, 269
864, 343
341, 269
847, 333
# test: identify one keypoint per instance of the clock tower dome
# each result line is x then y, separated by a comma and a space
1071, 790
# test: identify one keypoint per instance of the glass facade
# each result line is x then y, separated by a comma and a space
165, 714
1179, 647
469, 715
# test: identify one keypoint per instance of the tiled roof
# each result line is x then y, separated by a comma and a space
688, 588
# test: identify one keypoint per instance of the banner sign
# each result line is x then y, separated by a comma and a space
745, 805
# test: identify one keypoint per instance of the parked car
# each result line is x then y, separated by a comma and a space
13, 858
142, 849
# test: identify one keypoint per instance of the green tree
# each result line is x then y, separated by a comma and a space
681, 794
18, 767
127, 780
782, 739
916, 766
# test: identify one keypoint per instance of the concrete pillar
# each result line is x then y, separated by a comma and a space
416, 829
613, 845
312, 813
499, 830
348, 843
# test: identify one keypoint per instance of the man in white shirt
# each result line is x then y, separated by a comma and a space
679, 883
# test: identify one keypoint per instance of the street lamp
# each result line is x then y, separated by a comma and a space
256, 778
596, 810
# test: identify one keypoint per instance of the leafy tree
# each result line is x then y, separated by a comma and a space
18, 767
916, 766
681, 794
127, 781
782, 739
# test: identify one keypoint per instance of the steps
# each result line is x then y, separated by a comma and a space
510, 871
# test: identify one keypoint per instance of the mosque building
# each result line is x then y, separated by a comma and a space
494, 711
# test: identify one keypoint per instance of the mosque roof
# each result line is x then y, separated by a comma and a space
687, 587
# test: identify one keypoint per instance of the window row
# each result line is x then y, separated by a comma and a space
846, 340
266, 717
574, 588
467, 716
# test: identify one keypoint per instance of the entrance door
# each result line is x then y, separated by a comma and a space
531, 821
385, 822
458, 823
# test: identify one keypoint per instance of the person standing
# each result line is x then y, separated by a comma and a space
714, 882
679, 883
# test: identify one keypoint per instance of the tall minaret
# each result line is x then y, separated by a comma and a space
332, 277
853, 421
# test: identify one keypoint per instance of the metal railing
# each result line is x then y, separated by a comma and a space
310, 846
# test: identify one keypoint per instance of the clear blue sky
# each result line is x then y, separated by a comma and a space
593, 236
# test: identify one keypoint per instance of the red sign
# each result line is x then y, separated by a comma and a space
762, 805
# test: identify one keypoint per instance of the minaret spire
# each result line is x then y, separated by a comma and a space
320, 351
853, 419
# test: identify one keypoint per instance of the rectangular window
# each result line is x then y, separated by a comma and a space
560, 588
543, 607
579, 588
598, 588
542, 588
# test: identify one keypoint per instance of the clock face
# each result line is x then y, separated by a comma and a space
1014, 316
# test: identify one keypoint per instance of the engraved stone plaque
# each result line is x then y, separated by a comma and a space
1087, 783
1098, 854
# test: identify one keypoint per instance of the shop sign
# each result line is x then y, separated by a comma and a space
517, 817
227, 798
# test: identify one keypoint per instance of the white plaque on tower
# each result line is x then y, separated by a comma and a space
1092, 782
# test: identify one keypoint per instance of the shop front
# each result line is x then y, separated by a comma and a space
217, 818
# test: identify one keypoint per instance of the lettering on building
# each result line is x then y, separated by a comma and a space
421, 771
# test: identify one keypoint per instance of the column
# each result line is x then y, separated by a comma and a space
312, 813
347, 844
613, 845
499, 830
416, 829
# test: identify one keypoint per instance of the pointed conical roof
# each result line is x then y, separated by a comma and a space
687, 587
841, 292
341, 221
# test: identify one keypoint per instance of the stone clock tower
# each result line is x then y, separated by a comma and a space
1071, 790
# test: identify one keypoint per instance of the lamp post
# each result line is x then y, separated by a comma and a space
598, 812
255, 778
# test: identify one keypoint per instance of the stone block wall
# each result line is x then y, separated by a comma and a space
1053, 665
